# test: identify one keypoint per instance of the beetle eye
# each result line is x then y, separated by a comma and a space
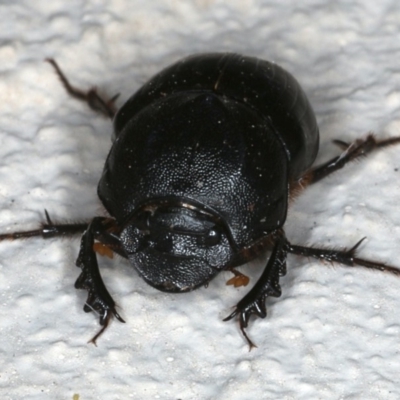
142, 221
210, 238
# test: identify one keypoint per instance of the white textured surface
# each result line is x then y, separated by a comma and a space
334, 333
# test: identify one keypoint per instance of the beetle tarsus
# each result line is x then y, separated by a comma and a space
104, 322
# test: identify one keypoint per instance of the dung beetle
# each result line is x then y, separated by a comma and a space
205, 158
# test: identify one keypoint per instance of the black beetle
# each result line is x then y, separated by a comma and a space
205, 158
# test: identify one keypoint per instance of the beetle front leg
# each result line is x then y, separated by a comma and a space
267, 285
90, 279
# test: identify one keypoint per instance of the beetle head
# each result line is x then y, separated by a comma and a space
176, 247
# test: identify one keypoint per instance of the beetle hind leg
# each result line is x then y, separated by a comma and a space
91, 97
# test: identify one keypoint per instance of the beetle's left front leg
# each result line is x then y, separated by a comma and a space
267, 285
90, 279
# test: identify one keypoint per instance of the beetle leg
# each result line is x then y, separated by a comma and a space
91, 97
267, 285
98, 299
90, 279
346, 257
359, 148
48, 230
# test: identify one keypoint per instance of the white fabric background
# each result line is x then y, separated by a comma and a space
334, 333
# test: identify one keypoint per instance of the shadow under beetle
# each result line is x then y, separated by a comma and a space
205, 158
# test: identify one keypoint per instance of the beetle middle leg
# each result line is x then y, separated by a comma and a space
91, 97
268, 284
48, 230
359, 148
346, 257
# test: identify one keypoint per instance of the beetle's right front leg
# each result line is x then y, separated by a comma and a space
267, 285
90, 279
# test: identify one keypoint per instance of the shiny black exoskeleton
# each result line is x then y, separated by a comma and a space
204, 160
200, 166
